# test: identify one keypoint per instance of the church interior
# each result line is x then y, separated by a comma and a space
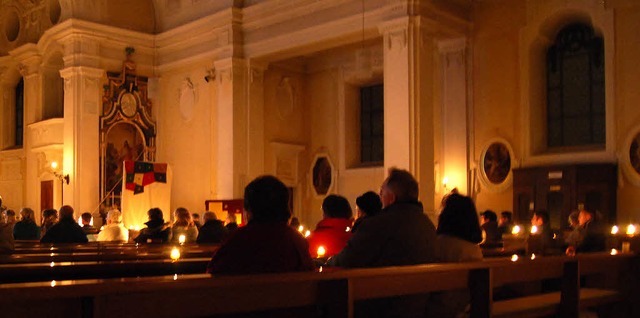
521, 105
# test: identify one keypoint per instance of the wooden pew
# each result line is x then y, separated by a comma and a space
98, 252
334, 291
572, 297
14, 273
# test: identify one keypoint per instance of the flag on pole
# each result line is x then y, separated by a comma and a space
146, 185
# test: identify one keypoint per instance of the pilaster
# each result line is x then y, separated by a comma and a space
30, 63
82, 99
231, 132
409, 102
455, 130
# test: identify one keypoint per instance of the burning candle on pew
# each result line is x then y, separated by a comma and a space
321, 251
614, 230
175, 254
182, 239
534, 229
515, 230
631, 230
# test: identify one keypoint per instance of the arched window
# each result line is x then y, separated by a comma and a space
575, 89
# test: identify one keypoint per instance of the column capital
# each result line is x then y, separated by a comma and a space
91, 72
80, 50
29, 59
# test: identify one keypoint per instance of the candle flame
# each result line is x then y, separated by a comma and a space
631, 229
515, 230
300, 228
53, 283
175, 276
175, 254
321, 251
533, 256
182, 239
614, 251
307, 233
534, 229
614, 230
514, 257
348, 229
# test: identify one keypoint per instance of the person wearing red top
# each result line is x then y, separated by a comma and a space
267, 244
333, 232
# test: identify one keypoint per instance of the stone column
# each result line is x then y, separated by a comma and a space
409, 102
230, 129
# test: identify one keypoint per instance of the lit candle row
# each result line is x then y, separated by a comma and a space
631, 229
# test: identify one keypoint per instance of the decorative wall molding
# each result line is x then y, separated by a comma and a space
286, 163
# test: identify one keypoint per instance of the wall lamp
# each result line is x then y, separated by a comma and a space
62, 177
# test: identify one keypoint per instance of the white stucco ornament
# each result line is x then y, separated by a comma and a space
187, 99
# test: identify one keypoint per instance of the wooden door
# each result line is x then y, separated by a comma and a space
46, 195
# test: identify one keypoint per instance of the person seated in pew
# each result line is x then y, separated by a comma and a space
156, 231
592, 234
267, 244
196, 220
505, 224
86, 224
7, 243
334, 230
367, 205
546, 238
401, 234
67, 230
9, 217
212, 231
114, 231
49, 219
26, 228
489, 224
183, 225
459, 234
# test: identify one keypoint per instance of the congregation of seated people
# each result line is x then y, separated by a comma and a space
391, 229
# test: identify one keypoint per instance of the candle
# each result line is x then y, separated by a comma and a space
300, 228
534, 229
321, 251
514, 257
533, 256
307, 233
175, 254
182, 239
614, 251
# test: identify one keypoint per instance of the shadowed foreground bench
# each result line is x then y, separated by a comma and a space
334, 293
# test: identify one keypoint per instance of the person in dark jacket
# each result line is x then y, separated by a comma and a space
267, 244
489, 225
26, 228
592, 235
66, 230
212, 231
400, 235
156, 231
86, 224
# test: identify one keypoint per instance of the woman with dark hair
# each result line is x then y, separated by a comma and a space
49, 218
458, 230
267, 244
458, 236
156, 231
